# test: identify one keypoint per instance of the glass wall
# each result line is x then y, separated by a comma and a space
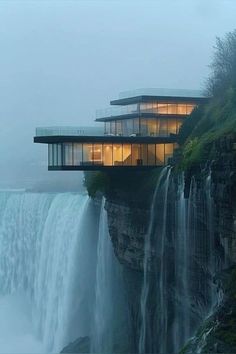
144, 126
167, 108
107, 154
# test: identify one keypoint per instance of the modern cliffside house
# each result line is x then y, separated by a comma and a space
140, 131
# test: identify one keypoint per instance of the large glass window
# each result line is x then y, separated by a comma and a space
117, 155
136, 155
118, 127
171, 126
143, 154
179, 122
163, 129
160, 154
143, 127
190, 108
146, 107
107, 128
182, 108
77, 154
172, 108
127, 158
107, 155
151, 155
168, 152
97, 154
59, 154
162, 108
136, 126
50, 154
55, 155
132, 108
113, 127
68, 154
87, 154
152, 126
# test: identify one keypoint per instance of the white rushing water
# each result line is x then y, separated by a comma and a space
59, 277
160, 192
109, 308
47, 270
181, 234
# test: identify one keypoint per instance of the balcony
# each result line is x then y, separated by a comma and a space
151, 108
69, 131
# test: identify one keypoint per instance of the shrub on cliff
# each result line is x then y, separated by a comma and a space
218, 118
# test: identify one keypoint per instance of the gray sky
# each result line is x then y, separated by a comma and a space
60, 60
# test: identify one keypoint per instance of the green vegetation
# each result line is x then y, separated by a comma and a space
95, 182
127, 186
218, 118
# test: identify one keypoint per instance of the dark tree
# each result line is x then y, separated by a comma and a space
223, 66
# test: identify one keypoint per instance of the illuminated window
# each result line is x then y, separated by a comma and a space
143, 154
151, 155
168, 152
163, 129
117, 155
172, 108
127, 159
190, 108
181, 109
162, 108
171, 126
97, 154
143, 127
136, 155
107, 154
87, 154
160, 149
152, 127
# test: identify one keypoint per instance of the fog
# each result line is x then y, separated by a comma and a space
61, 60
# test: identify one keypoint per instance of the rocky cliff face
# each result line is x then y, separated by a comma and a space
199, 244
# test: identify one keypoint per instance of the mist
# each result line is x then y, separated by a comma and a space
61, 60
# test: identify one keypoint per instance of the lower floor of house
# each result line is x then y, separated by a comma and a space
85, 156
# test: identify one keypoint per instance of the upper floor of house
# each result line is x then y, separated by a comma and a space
149, 112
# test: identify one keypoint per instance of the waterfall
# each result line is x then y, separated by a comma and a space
46, 252
161, 191
110, 320
179, 263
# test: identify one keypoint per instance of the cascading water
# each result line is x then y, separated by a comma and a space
43, 241
57, 256
181, 235
109, 330
161, 191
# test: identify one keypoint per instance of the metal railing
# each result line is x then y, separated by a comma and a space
69, 131
116, 111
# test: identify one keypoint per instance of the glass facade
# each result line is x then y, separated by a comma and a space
163, 127
167, 108
107, 154
173, 115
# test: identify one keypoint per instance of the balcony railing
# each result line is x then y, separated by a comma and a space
152, 107
116, 111
69, 131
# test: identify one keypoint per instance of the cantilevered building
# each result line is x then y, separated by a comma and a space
140, 131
